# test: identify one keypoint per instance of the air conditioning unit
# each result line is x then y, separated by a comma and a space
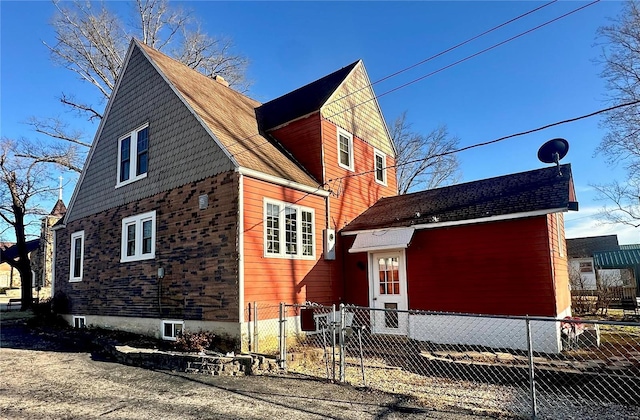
329, 244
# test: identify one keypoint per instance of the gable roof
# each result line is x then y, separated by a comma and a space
231, 118
586, 247
302, 101
541, 190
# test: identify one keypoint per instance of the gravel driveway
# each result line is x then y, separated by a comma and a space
43, 378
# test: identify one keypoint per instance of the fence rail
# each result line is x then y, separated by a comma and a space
533, 367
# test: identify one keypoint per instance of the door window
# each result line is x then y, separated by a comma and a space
388, 276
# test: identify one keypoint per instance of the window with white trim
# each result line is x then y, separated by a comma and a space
138, 237
76, 256
289, 230
133, 156
171, 330
380, 166
79, 322
345, 149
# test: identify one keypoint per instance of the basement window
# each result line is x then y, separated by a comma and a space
171, 330
79, 322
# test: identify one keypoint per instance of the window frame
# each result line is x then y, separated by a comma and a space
72, 260
301, 238
349, 136
173, 323
588, 267
133, 157
81, 319
378, 153
138, 221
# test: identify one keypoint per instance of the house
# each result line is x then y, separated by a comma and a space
581, 266
196, 200
9, 276
494, 246
623, 290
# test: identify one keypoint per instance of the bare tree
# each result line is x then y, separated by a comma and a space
419, 159
620, 58
91, 41
23, 182
624, 203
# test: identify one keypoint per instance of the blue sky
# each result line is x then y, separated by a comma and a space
545, 76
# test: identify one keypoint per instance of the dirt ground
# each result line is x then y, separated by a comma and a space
42, 377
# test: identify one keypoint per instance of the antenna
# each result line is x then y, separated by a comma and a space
553, 151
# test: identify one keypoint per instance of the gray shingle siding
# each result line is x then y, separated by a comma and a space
180, 149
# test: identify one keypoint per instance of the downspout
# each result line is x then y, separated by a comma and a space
53, 264
240, 244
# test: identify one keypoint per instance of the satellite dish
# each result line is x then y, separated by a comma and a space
553, 151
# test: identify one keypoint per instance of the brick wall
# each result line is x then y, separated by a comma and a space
197, 249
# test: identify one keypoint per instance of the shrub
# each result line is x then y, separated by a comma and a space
60, 303
197, 341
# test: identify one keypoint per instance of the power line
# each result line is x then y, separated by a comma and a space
469, 57
486, 143
443, 52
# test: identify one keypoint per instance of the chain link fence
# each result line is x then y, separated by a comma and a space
530, 367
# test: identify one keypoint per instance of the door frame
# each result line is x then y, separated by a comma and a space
402, 275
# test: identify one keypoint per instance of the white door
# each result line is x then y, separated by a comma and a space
388, 284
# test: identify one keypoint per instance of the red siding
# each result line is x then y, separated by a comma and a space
355, 194
498, 268
558, 249
302, 139
269, 280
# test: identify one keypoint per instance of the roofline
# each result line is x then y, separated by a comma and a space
184, 101
464, 222
98, 132
252, 173
375, 100
291, 121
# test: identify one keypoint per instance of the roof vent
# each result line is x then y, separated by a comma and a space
220, 80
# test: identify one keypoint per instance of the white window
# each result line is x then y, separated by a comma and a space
138, 237
380, 166
76, 256
345, 149
289, 230
171, 330
133, 156
79, 322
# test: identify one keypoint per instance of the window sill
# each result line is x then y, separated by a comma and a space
131, 180
75, 280
348, 168
138, 258
291, 257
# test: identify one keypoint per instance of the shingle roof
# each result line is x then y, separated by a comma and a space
302, 101
59, 209
541, 189
586, 247
231, 117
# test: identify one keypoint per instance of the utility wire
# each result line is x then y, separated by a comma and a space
443, 52
468, 57
486, 143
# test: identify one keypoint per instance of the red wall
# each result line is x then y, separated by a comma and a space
501, 268
271, 280
302, 138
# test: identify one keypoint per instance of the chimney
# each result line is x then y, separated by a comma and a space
220, 80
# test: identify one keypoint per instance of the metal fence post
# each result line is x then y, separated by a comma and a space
333, 342
256, 335
249, 330
342, 355
283, 337
532, 379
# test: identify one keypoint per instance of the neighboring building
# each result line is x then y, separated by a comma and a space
581, 265
494, 246
8, 276
42, 258
196, 200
